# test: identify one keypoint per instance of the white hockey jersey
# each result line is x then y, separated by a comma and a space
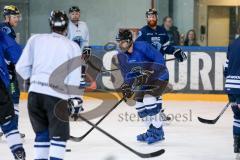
42, 55
79, 33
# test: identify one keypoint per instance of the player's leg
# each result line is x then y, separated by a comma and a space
8, 123
235, 99
155, 132
39, 122
58, 130
15, 94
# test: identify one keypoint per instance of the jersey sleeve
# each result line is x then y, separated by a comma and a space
141, 35
225, 70
124, 68
74, 78
87, 36
13, 50
166, 46
153, 54
24, 65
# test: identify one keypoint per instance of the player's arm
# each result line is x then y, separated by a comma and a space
74, 77
12, 51
24, 64
141, 36
169, 49
225, 70
153, 54
124, 67
86, 43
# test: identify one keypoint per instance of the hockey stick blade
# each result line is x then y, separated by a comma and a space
207, 121
142, 155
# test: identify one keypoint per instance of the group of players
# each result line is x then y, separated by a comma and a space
142, 64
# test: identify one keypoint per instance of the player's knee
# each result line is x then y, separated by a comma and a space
10, 125
42, 136
236, 110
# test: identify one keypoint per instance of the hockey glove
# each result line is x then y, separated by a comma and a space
75, 107
225, 69
126, 90
87, 52
11, 71
180, 55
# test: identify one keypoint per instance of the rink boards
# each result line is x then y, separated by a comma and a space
198, 78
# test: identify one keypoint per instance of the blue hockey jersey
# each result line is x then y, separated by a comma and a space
146, 57
232, 70
157, 38
5, 27
10, 51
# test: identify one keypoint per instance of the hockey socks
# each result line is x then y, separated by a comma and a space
57, 149
46, 149
13, 138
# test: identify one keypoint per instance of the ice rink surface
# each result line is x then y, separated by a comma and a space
186, 138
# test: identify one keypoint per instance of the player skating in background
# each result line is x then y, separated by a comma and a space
78, 32
42, 55
139, 53
11, 51
11, 19
157, 36
232, 88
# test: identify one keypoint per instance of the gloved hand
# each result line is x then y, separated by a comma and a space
180, 55
87, 52
126, 90
11, 71
75, 107
225, 69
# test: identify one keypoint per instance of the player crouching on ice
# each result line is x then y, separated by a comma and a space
137, 54
42, 55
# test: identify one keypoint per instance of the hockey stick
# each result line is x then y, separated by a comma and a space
79, 139
104, 71
216, 119
142, 155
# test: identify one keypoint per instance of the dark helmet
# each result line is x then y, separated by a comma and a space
58, 20
74, 9
152, 11
124, 34
10, 10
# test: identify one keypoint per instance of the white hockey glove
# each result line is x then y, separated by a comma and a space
75, 107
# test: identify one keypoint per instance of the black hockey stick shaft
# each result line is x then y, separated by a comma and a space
142, 155
104, 71
216, 119
78, 139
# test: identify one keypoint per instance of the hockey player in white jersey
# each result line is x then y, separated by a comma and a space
42, 55
77, 30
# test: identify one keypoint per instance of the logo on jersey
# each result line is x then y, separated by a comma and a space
79, 40
139, 33
6, 29
156, 42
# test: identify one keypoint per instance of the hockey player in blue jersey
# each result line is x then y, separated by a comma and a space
11, 51
232, 88
153, 73
157, 36
12, 18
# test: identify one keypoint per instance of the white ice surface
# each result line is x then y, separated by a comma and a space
189, 140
